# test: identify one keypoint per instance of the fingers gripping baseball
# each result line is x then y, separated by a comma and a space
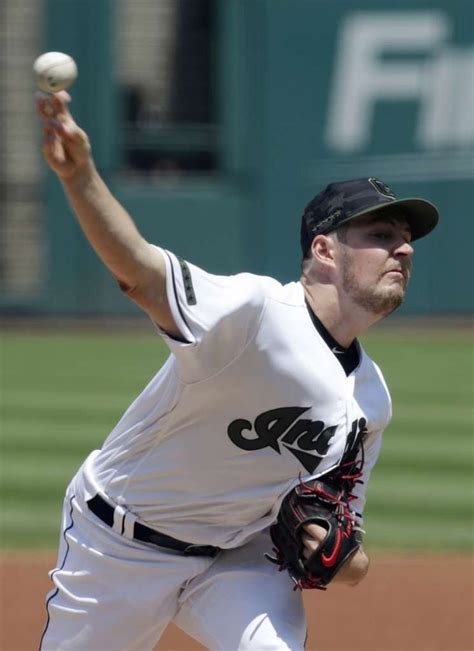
66, 147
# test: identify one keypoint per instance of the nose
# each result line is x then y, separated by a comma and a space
405, 249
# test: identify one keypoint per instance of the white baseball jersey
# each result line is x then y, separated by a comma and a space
249, 402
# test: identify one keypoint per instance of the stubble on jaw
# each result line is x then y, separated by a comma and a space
380, 301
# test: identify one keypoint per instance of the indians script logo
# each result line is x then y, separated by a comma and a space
307, 439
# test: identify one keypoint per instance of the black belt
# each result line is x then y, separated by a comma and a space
105, 512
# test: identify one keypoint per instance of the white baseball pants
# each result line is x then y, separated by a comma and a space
113, 594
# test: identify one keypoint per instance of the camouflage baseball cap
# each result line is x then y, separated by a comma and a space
345, 200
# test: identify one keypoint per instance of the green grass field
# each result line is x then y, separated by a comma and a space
61, 395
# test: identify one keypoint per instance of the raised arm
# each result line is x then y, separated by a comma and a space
138, 267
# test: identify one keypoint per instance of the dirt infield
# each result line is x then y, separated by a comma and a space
418, 604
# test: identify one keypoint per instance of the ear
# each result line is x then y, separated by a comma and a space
323, 249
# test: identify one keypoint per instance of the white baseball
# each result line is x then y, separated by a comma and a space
54, 71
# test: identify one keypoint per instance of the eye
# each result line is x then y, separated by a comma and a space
382, 235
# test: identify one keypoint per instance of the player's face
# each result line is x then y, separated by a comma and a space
375, 262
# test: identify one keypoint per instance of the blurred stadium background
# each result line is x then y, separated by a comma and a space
214, 122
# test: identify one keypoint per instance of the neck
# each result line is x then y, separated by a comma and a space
340, 316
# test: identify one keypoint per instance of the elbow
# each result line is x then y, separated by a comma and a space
124, 287
134, 292
137, 294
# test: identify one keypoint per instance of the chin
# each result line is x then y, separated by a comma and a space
382, 303
391, 301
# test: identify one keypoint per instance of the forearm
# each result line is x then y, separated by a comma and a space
106, 224
138, 266
108, 227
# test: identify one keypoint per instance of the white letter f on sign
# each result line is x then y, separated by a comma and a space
362, 77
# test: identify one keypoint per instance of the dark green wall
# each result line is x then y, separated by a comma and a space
278, 64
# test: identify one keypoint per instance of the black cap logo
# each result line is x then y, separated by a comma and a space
381, 188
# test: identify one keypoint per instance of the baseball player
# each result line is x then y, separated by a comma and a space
253, 443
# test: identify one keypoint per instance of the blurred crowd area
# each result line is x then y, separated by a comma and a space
242, 108
164, 74
22, 237
165, 68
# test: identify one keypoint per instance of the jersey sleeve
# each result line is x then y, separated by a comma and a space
216, 315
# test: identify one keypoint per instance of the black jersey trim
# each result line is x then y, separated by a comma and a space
173, 280
187, 282
51, 597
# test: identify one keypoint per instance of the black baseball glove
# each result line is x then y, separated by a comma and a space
324, 501
320, 502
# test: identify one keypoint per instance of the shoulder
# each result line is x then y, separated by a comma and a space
190, 273
265, 289
249, 284
291, 294
204, 302
242, 292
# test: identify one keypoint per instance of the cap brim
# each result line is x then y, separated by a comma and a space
421, 215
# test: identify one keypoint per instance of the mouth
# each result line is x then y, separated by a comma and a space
399, 276
398, 271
